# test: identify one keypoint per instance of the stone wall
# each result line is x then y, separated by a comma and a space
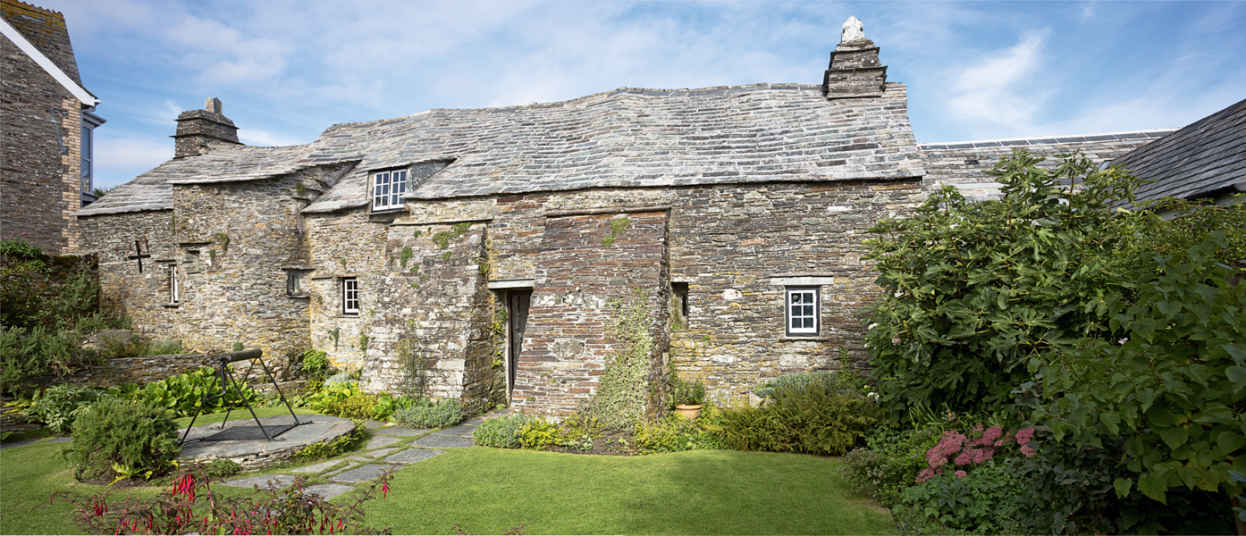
142, 296
40, 168
736, 248
234, 241
591, 264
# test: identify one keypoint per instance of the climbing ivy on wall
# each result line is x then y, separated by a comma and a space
621, 394
617, 227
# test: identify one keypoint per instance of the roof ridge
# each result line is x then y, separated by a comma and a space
616, 91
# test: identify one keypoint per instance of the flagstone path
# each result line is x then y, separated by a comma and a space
391, 447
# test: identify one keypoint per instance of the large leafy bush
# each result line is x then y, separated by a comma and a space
184, 393
973, 290
122, 438
59, 405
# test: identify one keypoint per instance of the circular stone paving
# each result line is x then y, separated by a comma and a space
243, 442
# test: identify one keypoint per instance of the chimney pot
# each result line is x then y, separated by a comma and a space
213, 105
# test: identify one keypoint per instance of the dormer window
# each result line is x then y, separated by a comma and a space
388, 188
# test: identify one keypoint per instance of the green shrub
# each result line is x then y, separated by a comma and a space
164, 347
330, 395
981, 501
670, 434
29, 357
890, 462
57, 406
689, 393
824, 417
123, 438
388, 405
315, 364
184, 394
538, 434
621, 397
501, 432
221, 467
424, 413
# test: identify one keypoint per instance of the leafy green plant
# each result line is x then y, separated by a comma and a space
126, 437
620, 400
669, 434
817, 418
185, 394
58, 406
315, 364
890, 461
688, 393
501, 432
972, 291
981, 502
1171, 385
424, 413
538, 434
221, 467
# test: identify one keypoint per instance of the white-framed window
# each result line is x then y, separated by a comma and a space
350, 296
174, 291
801, 311
388, 188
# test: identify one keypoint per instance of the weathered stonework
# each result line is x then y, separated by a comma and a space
40, 135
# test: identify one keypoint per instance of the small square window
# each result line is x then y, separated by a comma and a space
350, 296
388, 188
801, 311
294, 283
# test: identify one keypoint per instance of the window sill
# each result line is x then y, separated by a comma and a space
298, 296
171, 305
804, 338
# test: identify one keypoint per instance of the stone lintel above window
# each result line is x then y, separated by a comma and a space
801, 280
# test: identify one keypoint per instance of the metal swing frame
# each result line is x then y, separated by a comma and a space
228, 381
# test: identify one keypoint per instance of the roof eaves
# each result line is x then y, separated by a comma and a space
40, 59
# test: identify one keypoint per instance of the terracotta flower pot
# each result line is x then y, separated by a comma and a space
689, 410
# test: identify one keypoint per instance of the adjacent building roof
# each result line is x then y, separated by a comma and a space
1205, 158
967, 162
41, 34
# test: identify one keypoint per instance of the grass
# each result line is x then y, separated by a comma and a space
489, 491
484, 491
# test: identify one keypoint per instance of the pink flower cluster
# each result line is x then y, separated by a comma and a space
962, 451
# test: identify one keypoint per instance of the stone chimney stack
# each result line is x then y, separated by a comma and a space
854, 70
200, 131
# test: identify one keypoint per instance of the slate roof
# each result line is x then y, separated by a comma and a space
968, 162
154, 190
622, 138
1204, 157
633, 138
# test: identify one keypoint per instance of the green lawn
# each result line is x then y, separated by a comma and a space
490, 491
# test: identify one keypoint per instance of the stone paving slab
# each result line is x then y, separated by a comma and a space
316, 468
400, 431
281, 481
362, 473
444, 440
413, 455
381, 441
379, 453
328, 491
255, 453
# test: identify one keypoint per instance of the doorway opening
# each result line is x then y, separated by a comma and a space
517, 302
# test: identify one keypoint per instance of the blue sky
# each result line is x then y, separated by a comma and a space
286, 70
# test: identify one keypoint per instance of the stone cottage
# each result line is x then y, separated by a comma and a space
46, 129
482, 254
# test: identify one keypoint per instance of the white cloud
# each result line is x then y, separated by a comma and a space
121, 158
998, 89
255, 136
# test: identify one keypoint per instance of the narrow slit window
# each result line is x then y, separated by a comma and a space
801, 310
350, 296
174, 292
